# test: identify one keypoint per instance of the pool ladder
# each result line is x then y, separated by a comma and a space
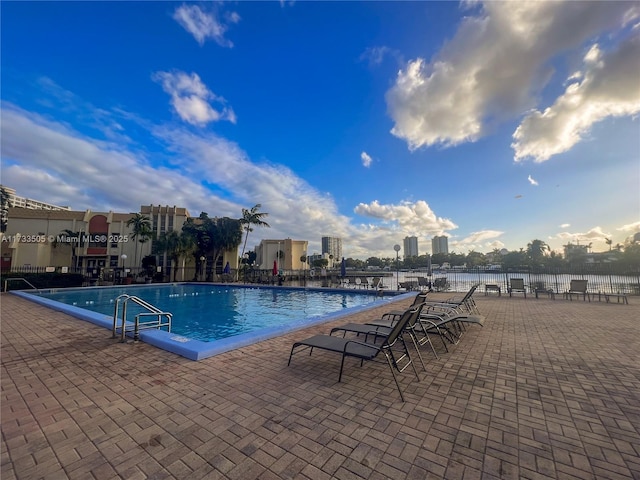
152, 318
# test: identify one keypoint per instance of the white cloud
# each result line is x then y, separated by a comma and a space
203, 25
190, 98
366, 159
532, 181
413, 218
593, 235
53, 162
374, 56
565, 225
482, 241
493, 68
631, 227
608, 87
83, 172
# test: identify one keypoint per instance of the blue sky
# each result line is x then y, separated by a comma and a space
493, 123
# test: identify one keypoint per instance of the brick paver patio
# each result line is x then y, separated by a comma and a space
546, 389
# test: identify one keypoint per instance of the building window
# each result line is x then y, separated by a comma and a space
98, 240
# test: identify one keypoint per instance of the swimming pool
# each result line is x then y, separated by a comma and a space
243, 314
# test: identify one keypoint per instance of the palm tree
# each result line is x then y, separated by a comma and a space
536, 250
249, 218
176, 245
141, 227
5, 203
213, 236
609, 242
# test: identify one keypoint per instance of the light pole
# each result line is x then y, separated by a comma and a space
123, 257
396, 247
246, 267
202, 259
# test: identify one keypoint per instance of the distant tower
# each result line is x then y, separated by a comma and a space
410, 247
439, 244
332, 246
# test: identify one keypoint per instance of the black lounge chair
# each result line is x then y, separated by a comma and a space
516, 285
578, 287
424, 284
392, 346
414, 328
418, 300
440, 284
450, 327
460, 306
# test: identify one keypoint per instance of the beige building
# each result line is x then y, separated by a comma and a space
93, 243
88, 241
166, 219
289, 259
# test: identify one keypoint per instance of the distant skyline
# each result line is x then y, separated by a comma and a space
493, 123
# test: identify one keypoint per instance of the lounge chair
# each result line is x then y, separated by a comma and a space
441, 284
459, 305
424, 284
414, 328
578, 287
449, 327
393, 347
516, 285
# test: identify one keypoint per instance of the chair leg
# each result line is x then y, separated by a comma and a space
440, 334
395, 379
435, 354
415, 344
341, 367
291, 355
427, 339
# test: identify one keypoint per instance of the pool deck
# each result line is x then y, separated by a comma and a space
547, 389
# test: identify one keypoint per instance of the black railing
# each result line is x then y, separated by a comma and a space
600, 278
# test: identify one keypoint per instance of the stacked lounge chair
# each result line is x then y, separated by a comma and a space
384, 336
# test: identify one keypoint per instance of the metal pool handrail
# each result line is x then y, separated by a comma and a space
24, 280
152, 310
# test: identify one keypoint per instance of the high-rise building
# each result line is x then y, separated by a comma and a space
410, 247
439, 244
15, 200
332, 246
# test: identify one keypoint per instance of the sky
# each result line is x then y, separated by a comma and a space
493, 123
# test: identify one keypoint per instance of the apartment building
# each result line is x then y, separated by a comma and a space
286, 253
410, 247
439, 244
332, 247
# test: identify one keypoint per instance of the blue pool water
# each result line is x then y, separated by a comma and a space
212, 312
212, 319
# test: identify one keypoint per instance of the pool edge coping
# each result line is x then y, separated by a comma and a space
197, 349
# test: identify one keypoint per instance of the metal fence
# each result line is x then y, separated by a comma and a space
600, 278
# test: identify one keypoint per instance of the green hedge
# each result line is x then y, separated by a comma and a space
41, 280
